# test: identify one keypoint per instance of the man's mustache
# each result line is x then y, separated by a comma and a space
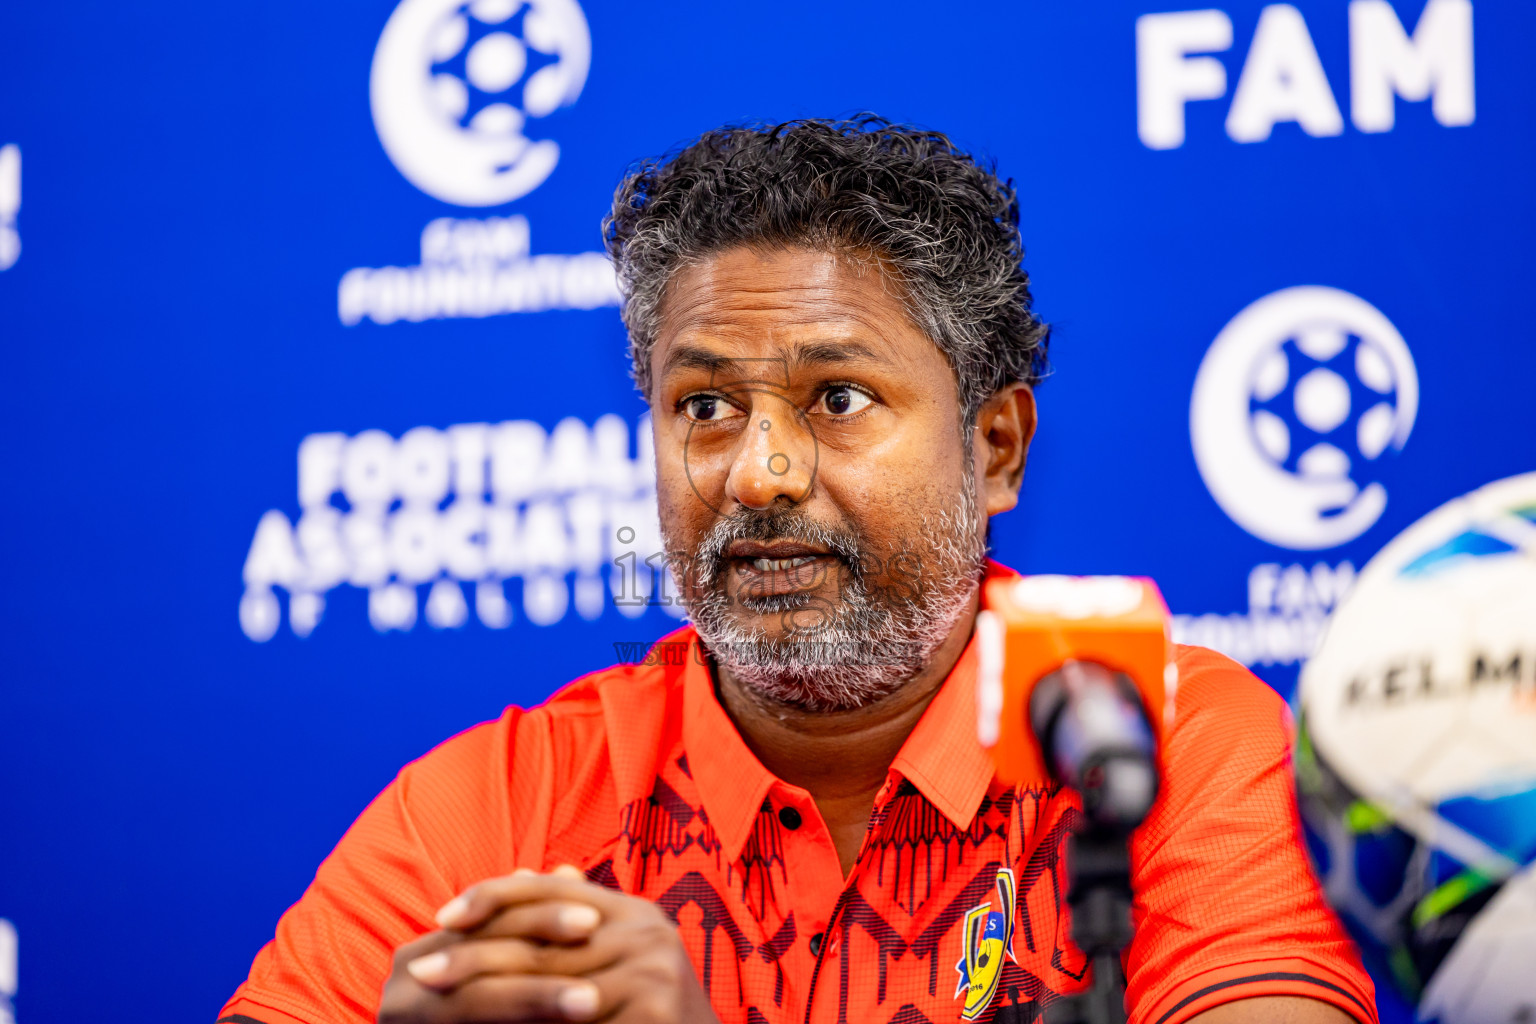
768, 524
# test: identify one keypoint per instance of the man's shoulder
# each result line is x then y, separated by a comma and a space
642, 672
634, 697
1224, 716
1212, 682
629, 708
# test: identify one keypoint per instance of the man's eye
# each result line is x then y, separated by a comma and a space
708, 408
844, 401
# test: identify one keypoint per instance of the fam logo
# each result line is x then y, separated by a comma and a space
455, 85
1288, 610
1295, 403
457, 92
986, 937
1283, 81
10, 205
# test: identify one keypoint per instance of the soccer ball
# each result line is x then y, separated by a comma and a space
1416, 759
1324, 403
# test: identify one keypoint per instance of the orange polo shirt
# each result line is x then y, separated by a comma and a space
636, 774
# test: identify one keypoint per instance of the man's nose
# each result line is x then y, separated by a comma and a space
777, 457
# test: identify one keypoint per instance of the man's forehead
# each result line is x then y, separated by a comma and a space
792, 283
799, 307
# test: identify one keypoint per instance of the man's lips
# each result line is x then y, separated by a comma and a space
779, 564
777, 567
773, 556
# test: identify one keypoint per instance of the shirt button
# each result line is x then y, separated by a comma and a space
816, 944
789, 818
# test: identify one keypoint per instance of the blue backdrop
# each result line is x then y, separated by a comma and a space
319, 439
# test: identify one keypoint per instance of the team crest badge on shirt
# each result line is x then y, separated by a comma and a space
986, 938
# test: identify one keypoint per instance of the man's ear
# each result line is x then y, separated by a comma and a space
1000, 446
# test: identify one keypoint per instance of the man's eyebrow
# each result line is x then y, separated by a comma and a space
835, 352
693, 357
696, 357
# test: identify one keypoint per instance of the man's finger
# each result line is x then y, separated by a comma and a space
558, 922
505, 997
648, 989
445, 969
428, 943
480, 902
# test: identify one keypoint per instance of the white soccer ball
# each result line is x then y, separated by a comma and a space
1416, 765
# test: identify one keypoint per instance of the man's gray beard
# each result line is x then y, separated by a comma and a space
865, 649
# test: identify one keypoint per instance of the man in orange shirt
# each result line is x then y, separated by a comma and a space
783, 814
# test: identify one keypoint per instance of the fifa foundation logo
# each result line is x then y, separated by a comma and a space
458, 91
1295, 403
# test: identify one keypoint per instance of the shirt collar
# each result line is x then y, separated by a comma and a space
941, 756
732, 782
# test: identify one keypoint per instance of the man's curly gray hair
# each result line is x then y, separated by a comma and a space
943, 228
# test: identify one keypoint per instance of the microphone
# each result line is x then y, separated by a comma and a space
1094, 733
1076, 684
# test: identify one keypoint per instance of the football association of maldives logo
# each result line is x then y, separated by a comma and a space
1294, 405
454, 86
985, 940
